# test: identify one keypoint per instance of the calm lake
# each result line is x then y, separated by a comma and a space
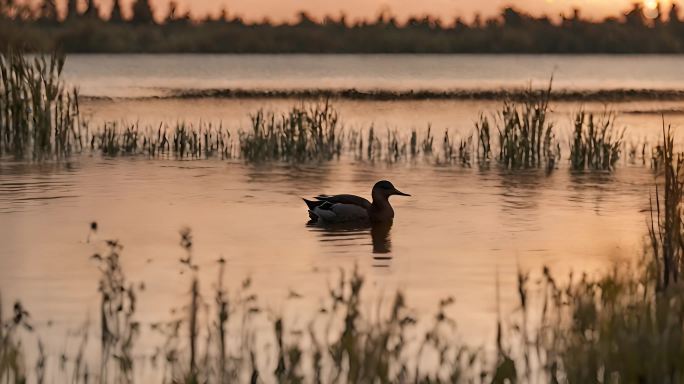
463, 229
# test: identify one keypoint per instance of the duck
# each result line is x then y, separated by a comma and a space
337, 209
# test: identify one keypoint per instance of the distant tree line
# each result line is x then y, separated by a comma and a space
86, 29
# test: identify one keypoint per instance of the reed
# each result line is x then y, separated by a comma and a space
342, 342
622, 326
666, 225
427, 144
305, 133
180, 141
397, 148
373, 146
596, 143
614, 328
312, 133
39, 115
118, 327
40, 119
455, 150
465, 150
636, 151
269, 141
449, 150
626, 325
413, 144
484, 148
526, 138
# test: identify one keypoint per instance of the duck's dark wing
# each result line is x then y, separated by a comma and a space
313, 204
345, 199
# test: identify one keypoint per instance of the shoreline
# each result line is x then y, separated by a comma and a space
603, 95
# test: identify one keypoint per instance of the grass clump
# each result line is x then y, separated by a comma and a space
305, 133
596, 144
616, 328
39, 115
526, 138
397, 148
665, 230
180, 141
484, 148
427, 143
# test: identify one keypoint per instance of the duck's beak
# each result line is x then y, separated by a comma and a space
400, 193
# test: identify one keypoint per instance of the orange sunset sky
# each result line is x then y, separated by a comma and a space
279, 10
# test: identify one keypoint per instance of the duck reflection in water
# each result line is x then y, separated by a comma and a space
382, 241
344, 236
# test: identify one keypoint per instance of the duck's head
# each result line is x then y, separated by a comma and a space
385, 189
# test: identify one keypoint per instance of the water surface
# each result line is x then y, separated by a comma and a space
463, 229
162, 75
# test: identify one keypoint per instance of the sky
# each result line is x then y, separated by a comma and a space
284, 10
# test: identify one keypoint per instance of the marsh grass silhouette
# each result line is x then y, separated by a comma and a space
575, 331
306, 133
526, 137
46, 123
666, 226
596, 143
39, 115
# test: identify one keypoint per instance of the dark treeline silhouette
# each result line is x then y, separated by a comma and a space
42, 28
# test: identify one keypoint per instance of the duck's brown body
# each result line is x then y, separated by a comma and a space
351, 208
